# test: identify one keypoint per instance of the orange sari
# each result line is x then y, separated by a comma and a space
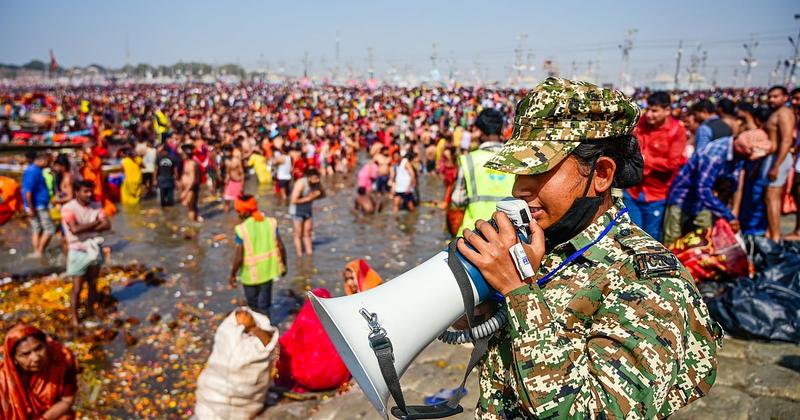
92, 170
366, 277
22, 398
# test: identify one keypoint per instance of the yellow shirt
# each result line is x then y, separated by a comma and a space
259, 163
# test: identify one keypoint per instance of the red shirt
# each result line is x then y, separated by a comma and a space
662, 149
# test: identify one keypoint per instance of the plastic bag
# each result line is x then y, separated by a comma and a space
713, 253
234, 383
767, 306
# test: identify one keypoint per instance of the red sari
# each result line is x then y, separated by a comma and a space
308, 361
22, 398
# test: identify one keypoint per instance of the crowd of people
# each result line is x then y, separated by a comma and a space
724, 154
717, 160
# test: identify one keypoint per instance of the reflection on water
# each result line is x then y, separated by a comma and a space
391, 243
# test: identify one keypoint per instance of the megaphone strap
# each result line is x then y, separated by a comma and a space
384, 352
464, 285
415, 412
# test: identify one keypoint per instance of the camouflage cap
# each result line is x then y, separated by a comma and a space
555, 117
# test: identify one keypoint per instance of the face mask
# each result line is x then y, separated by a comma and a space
579, 215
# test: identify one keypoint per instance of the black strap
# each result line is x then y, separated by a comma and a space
464, 284
481, 346
386, 363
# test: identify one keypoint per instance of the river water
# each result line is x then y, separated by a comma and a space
391, 244
198, 260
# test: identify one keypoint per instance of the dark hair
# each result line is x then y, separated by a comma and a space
362, 190
762, 114
62, 160
623, 150
31, 155
726, 106
84, 184
187, 148
795, 91
40, 336
312, 172
704, 105
780, 88
746, 107
659, 98
490, 121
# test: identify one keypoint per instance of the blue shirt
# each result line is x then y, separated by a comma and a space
704, 134
693, 187
33, 182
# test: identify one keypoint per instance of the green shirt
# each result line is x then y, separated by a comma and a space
620, 332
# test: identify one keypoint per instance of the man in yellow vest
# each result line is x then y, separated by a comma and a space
478, 189
259, 257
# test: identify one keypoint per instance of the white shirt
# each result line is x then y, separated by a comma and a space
402, 178
149, 160
284, 171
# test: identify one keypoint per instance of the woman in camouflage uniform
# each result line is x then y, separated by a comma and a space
612, 325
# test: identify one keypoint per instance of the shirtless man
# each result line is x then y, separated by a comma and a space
365, 203
779, 128
375, 149
384, 162
234, 175
190, 183
430, 156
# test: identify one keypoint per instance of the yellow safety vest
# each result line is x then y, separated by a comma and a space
262, 257
485, 187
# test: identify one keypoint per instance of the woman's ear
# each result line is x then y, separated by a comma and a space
604, 170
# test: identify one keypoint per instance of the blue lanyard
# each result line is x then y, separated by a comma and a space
542, 281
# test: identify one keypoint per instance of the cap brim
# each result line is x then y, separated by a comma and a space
530, 157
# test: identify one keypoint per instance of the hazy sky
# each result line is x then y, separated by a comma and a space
470, 35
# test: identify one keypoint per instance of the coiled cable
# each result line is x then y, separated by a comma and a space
485, 329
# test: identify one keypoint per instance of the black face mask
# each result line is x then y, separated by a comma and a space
579, 215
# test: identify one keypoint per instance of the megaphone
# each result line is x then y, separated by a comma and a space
413, 310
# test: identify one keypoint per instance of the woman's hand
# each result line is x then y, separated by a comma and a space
491, 255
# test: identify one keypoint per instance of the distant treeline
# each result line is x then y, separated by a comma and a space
189, 69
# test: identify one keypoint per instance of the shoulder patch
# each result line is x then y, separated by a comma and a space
649, 264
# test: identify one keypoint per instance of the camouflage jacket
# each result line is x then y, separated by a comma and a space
621, 332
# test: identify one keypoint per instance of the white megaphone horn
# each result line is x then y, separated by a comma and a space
413, 309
